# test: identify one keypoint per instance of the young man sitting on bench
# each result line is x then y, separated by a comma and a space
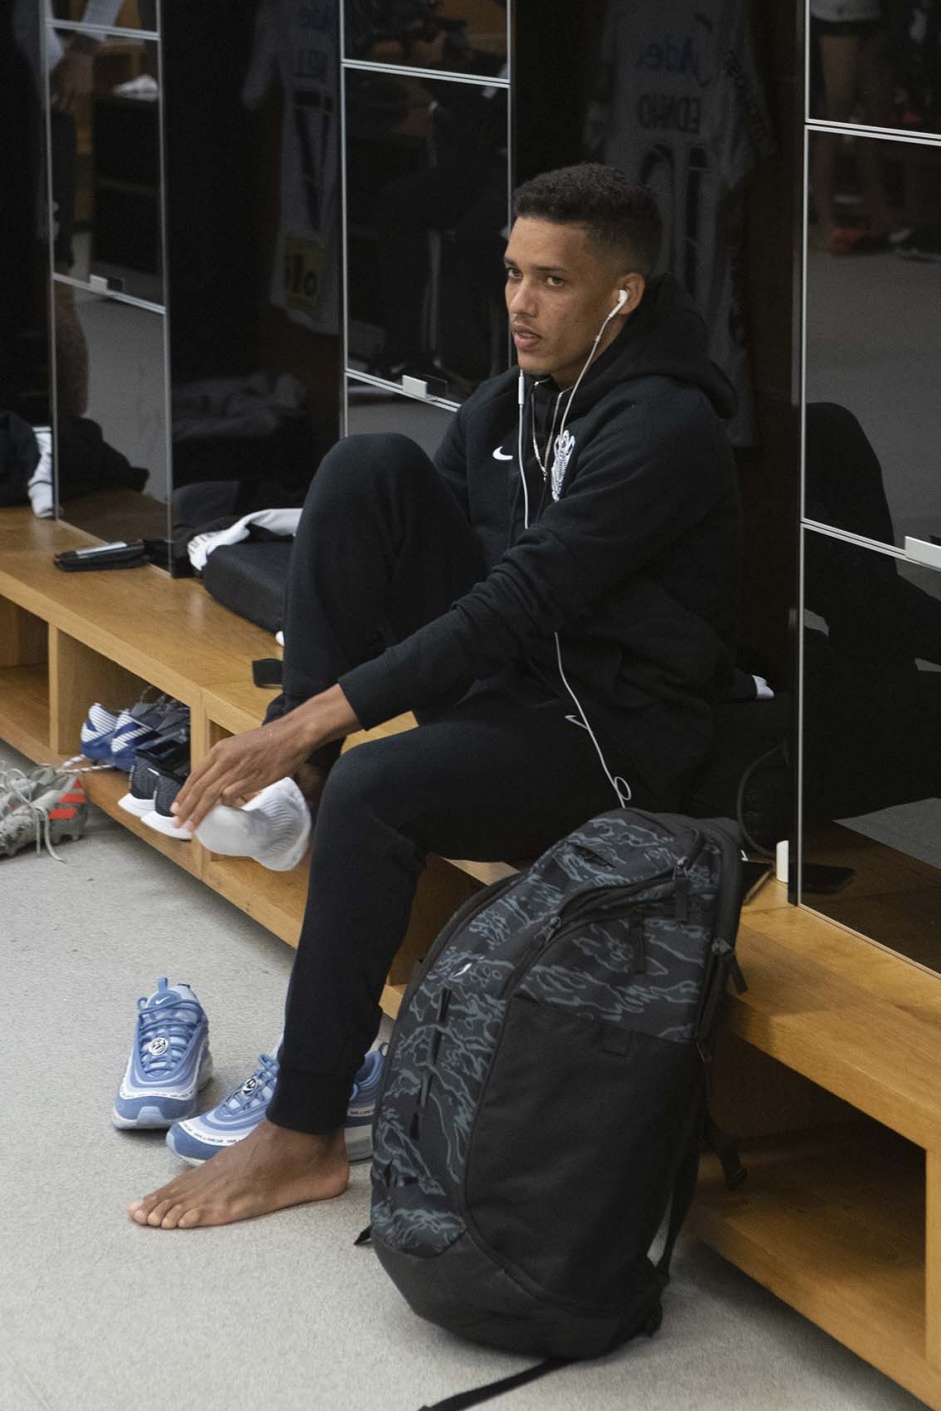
552, 596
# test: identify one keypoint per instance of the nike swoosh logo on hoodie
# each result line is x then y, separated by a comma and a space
498, 455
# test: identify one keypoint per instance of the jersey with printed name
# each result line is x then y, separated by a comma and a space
681, 109
296, 44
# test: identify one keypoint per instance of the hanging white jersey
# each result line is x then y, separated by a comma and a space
682, 110
296, 44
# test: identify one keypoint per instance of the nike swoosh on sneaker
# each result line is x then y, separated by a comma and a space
499, 455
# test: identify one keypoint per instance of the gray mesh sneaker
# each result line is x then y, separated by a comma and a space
52, 810
17, 787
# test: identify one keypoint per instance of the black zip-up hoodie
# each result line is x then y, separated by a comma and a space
635, 565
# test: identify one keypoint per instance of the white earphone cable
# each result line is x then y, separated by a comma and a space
620, 786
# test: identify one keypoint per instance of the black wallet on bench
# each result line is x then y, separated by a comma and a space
125, 554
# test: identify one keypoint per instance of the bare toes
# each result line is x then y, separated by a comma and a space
173, 1216
190, 1218
141, 1209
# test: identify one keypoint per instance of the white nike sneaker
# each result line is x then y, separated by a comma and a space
274, 827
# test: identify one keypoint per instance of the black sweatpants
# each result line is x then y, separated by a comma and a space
382, 548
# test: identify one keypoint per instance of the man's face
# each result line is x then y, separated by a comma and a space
558, 293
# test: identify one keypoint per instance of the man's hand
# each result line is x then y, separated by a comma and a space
237, 768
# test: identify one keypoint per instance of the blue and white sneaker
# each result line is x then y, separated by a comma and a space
195, 1139
361, 1108
169, 1063
97, 733
143, 726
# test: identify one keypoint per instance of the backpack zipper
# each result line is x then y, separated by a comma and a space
551, 930
464, 913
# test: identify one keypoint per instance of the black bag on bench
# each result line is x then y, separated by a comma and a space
544, 1100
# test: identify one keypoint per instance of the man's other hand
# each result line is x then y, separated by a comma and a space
237, 768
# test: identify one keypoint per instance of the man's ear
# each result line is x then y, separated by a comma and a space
633, 286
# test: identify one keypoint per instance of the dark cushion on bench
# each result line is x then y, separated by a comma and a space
250, 578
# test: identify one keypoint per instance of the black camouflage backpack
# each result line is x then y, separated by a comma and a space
543, 1103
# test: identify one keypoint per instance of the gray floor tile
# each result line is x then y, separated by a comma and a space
281, 1314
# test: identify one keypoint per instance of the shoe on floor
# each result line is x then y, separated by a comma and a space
361, 1108
274, 827
170, 1060
195, 1139
52, 808
19, 787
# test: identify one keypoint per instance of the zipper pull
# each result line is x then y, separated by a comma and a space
540, 939
681, 884
724, 952
547, 932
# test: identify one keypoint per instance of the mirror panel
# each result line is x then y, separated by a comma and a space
871, 855
371, 409
872, 343
112, 471
24, 243
426, 170
253, 216
106, 171
118, 14
455, 36
879, 68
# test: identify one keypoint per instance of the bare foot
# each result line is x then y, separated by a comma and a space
269, 1169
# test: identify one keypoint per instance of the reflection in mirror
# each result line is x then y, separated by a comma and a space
872, 344
111, 433
105, 159
24, 245
253, 214
375, 409
427, 218
679, 104
872, 745
457, 36
875, 64
117, 14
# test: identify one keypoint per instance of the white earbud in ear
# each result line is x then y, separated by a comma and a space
623, 296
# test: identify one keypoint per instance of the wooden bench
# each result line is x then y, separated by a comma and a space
829, 1069
67, 640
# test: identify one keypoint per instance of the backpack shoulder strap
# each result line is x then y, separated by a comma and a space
465, 1399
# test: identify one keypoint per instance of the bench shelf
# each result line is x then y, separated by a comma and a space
835, 1226
828, 1070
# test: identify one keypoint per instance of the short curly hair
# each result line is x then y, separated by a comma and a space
619, 216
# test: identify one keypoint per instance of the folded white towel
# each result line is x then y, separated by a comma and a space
277, 521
